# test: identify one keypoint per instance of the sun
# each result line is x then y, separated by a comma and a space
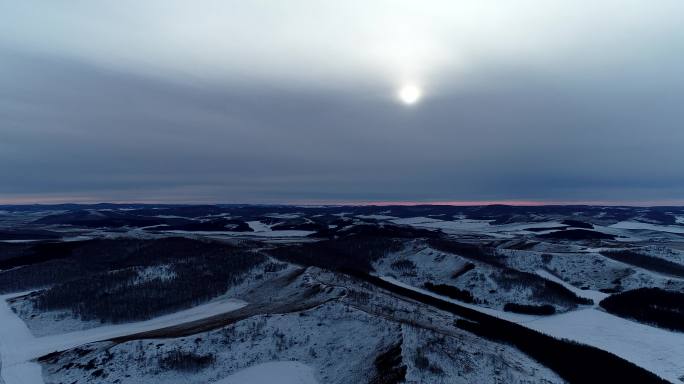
409, 94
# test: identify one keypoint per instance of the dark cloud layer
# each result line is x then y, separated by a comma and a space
77, 129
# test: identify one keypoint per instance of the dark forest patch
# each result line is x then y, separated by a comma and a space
664, 309
354, 252
466, 268
100, 279
389, 366
577, 234
650, 263
543, 290
577, 224
469, 251
450, 291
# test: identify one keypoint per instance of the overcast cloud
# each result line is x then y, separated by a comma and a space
294, 101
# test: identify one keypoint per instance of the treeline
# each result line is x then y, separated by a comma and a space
354, 252
184, 361
469, 251
389, 366
404, 265
577, 234
345, 230
17, 255
194, 272
451, 291
654, 306
650, 263
542, 289
45, 264
466, 268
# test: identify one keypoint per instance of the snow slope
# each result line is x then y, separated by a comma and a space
597, 296
336, 341
657, 350
282, 372
18, 346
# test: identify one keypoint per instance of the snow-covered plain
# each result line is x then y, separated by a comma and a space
18, 346
647, 226
483, 227
281, 372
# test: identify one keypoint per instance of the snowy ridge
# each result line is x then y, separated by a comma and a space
18, 347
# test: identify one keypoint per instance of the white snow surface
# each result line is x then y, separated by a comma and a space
376, 217
281, 372
651, 227
18, 346
654, 349
258, 226
462, 225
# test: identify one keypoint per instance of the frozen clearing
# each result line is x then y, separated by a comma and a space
18, 347
478, 226
654, 349
647, 226
258, 226
269, 233
651, 348
281, 372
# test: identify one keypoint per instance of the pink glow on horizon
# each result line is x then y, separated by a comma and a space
518, 203
32, 199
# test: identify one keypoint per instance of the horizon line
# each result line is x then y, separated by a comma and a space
380, 203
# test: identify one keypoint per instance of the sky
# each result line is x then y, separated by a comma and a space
295, 101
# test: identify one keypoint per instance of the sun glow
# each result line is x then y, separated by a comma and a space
409, 94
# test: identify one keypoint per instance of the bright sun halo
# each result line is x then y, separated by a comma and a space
409, 94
